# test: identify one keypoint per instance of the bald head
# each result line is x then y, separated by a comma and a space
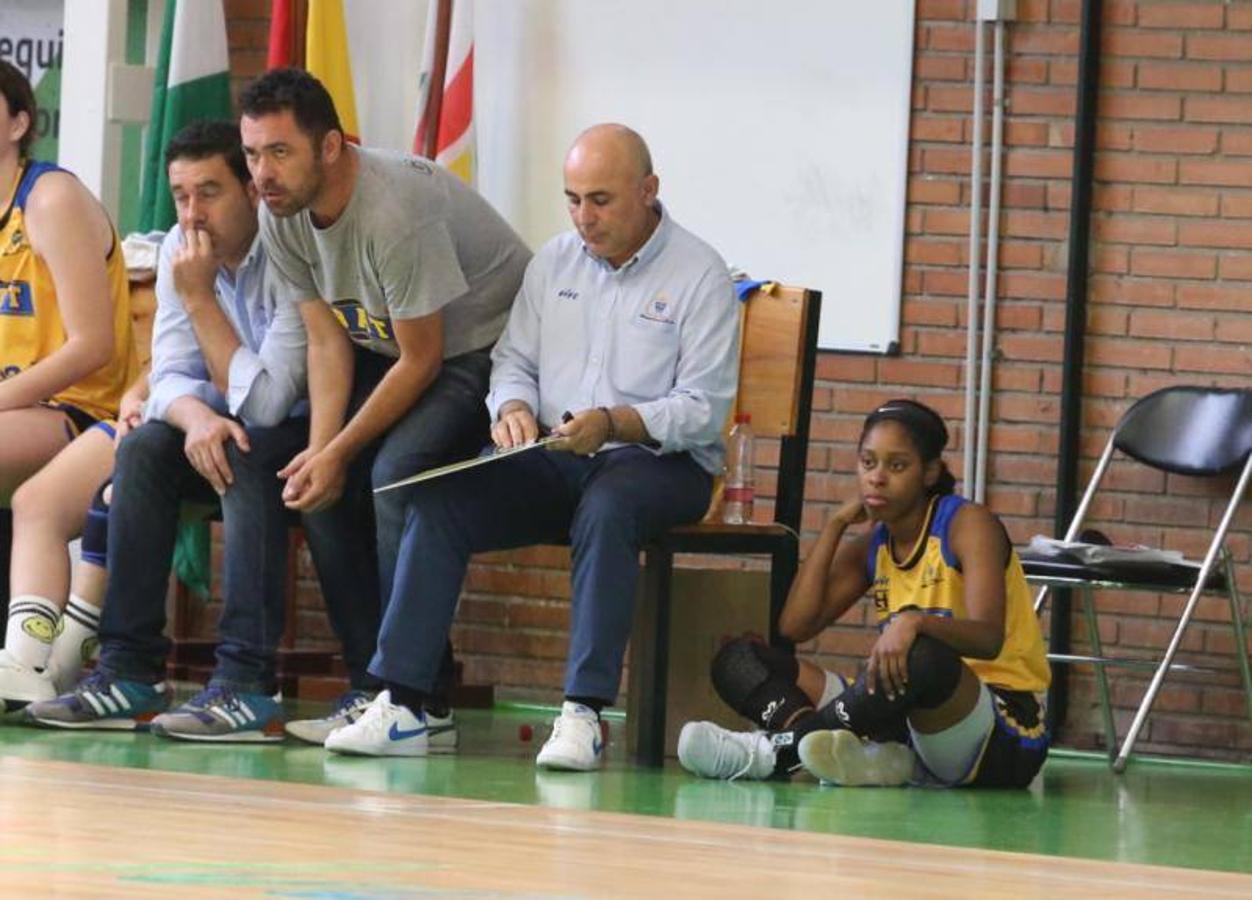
619, 146
611, 191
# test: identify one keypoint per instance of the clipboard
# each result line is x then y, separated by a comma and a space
464, 464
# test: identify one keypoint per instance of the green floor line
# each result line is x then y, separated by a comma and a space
1137, 760
1164, 811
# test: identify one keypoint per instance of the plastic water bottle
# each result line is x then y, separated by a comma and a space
737, 499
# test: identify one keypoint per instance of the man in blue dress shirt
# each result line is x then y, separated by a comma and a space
227, 409
623, 342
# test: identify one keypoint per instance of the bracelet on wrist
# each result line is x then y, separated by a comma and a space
612, 432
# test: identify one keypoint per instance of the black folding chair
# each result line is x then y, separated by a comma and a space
1195, 431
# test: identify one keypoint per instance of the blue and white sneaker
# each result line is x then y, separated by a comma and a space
350, 707
218, 713
389, 729
576, 743
99, 701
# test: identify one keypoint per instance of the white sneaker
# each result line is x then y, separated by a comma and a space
711, 751
350, 707
388, 729
840, 757
20, 684
576, 743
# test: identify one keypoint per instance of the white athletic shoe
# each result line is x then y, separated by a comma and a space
576, 743
711, 751
388, 729
20, 684
350, 707
840, 757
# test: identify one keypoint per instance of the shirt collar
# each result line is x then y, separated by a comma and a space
651, 247
254, 251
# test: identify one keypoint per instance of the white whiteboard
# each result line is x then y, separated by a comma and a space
779, 130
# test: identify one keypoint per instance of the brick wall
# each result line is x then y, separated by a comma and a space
1170, 234
1171, 271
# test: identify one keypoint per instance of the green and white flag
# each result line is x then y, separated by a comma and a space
192, 82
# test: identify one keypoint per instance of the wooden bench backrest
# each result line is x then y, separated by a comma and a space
142, 317
771, 362
778, 352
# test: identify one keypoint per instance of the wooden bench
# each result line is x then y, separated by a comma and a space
776, 372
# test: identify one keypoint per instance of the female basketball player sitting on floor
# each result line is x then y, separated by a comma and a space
951, 692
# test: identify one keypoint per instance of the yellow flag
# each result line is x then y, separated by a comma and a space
326, 58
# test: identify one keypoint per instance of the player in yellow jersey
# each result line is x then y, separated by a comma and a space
952, 690
66, 351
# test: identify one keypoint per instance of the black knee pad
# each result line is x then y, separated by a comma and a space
758, 682
95, 541
934, 673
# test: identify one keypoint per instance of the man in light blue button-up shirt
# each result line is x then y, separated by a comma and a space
227, 409
261, 360
623, 342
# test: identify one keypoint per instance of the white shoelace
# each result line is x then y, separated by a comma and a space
373, 720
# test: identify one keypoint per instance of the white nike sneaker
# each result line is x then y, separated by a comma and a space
576, 743
711, 751
840, 757
20, 684
389, 729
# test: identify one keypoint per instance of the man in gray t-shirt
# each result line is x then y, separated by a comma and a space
413, 241
404, 278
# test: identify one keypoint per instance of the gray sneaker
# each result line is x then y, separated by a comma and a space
100, 701
218, 713
347, 710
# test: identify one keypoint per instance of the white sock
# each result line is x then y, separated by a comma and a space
76, 641
31, 627
835, 685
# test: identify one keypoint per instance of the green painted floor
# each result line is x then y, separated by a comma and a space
1159, 812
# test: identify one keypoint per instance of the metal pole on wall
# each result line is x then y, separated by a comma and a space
1081, 179
993, 252
968, 439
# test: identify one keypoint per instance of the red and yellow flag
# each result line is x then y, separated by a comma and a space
452, 97
326, 57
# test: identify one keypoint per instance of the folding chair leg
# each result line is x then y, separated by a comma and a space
1154, 687
654, 659
1040, 599
1236, 620
1102, 678
1206, 569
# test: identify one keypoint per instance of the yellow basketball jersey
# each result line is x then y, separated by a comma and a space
30, 320
931, 580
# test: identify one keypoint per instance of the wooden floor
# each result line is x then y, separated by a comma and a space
77, 830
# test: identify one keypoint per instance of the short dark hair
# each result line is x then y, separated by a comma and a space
20, 97
295, 90
205, 138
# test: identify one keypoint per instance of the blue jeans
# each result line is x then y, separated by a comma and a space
607, 506
151, 480
448, 422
